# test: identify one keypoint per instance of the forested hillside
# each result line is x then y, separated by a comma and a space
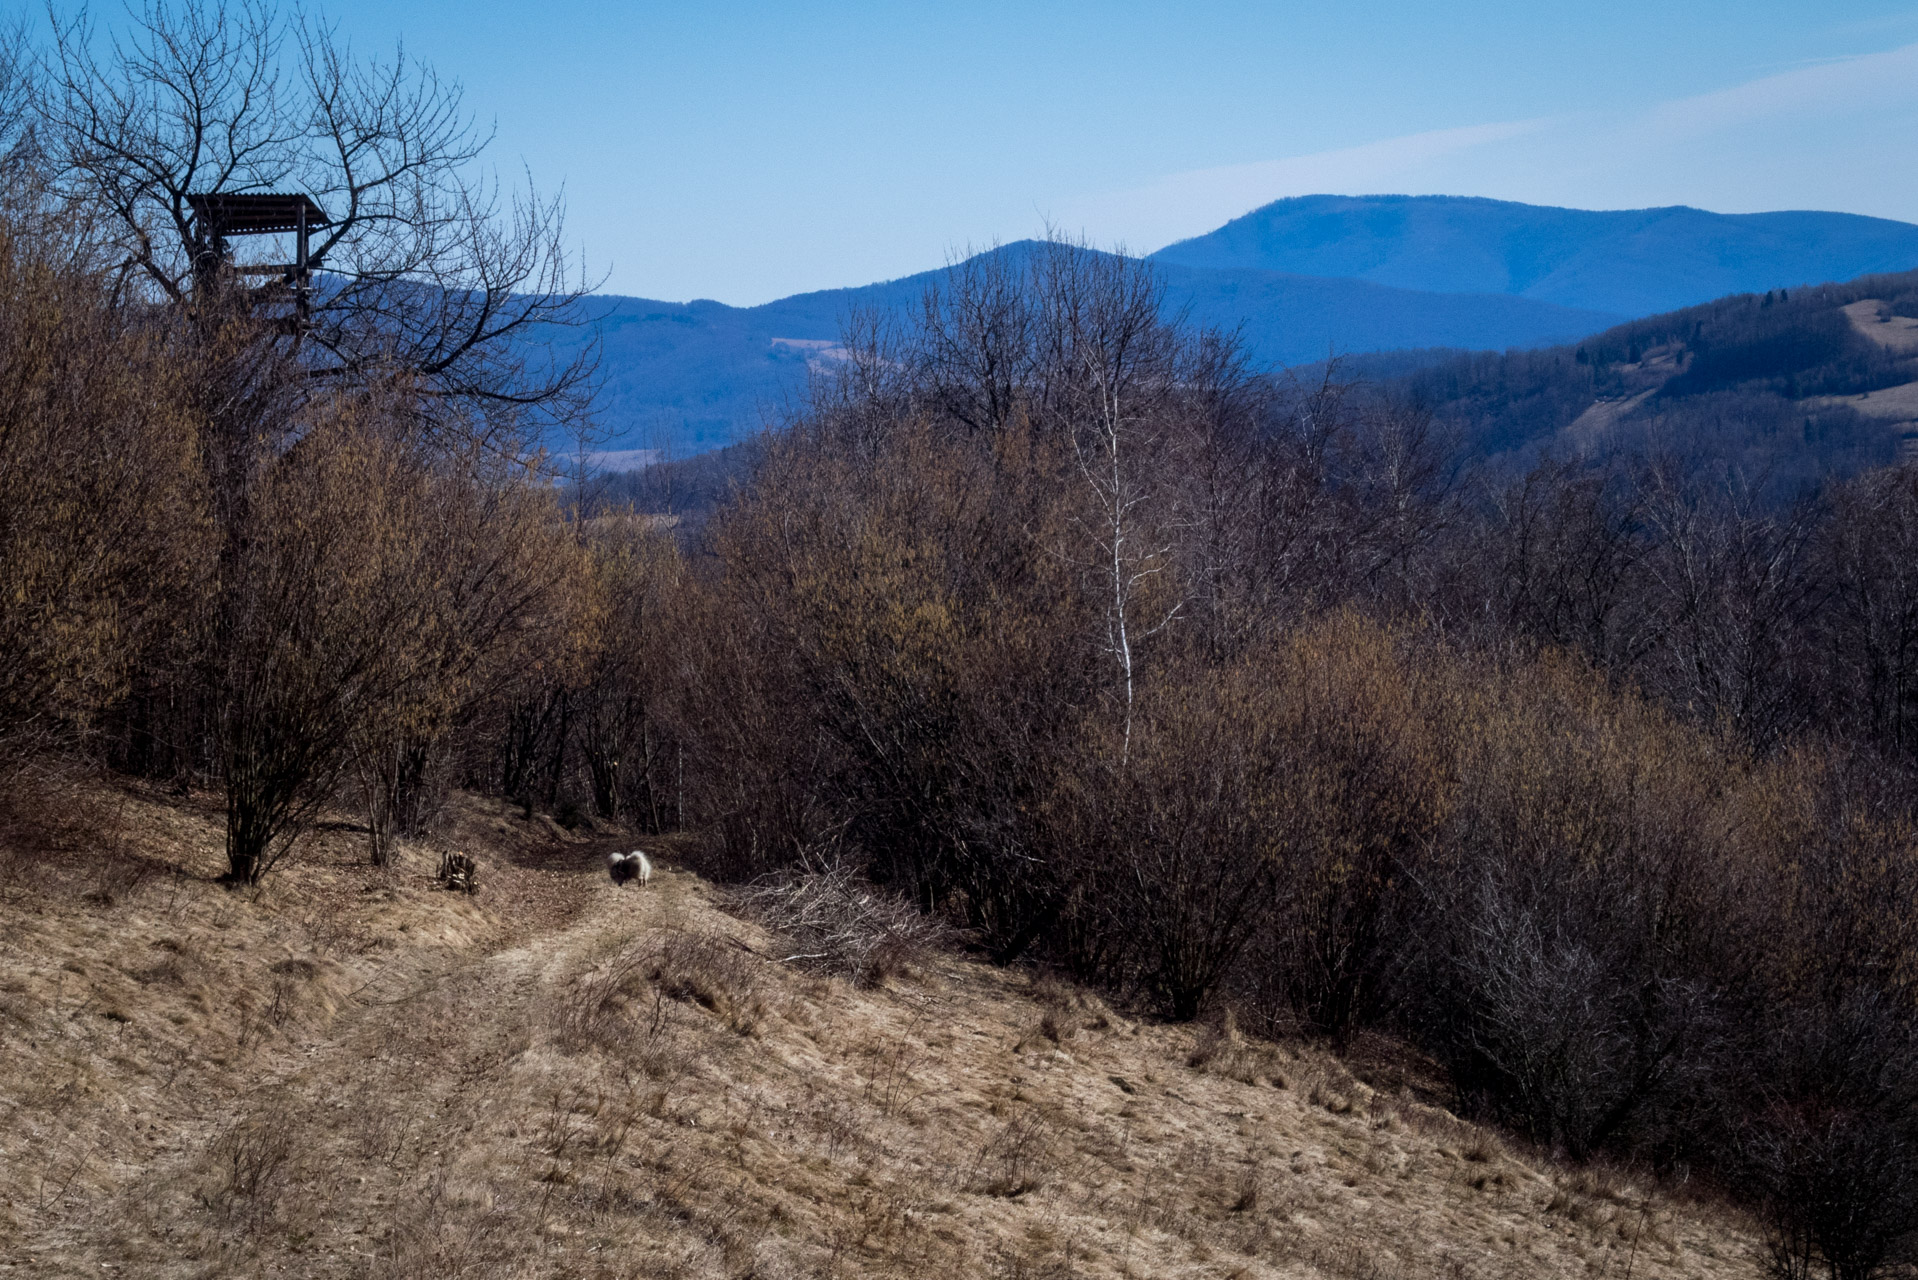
1798, 384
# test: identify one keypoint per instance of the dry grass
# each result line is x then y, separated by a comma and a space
357, 1074
1872, 317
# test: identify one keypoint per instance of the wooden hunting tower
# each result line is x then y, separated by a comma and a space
220, 216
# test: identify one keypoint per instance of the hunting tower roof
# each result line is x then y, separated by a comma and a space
256, 213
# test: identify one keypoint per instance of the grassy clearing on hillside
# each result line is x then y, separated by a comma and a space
354, 1073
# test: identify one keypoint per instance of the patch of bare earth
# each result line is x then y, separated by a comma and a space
1872, 317
1894, 406
1593, 429
350, 1073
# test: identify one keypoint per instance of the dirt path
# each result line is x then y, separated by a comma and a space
565, 1079
345, 1117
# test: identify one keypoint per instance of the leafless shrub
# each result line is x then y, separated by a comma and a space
1325, 1082
618, 1008
837, 922
249, 1174
1484, 1148
1842, 1190
1214, 1040
713, 972
437, 1235
1222, 1050
890, 1065
1070, 1009
1016, 1160
1592, 1196
117, 876
16, 866
178, 962
1249, 1190
1065, 1012
626, 1004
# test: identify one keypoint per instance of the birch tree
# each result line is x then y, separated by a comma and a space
1119, 362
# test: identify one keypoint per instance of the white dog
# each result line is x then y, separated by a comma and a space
630, 866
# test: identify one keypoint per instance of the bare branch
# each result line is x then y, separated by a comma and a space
431, 269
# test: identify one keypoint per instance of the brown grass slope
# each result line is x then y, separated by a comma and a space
350, 1073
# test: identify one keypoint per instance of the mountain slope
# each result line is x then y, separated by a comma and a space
685, 377
1629, 262
1794, 385
349, 1073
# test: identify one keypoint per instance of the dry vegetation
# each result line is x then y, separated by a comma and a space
1048, 623
559, 1078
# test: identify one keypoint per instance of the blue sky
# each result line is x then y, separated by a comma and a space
746, 151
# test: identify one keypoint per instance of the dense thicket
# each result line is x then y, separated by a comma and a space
1596, 783
102, 527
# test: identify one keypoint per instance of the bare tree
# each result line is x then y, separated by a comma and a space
1731, 577
620, 737
24, 169
975, 358
1118, 366
16, 92
1565, 545
431, 268
500, 576
1868, 557
327, 624
418, 310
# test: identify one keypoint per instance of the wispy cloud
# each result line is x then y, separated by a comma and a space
1844, 85
1884, 22
1182, 203
1835, 134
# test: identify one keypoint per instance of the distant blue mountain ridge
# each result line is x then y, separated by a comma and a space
685, 377
1633, 262
1298, 279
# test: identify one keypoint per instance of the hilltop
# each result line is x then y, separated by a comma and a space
1629, 262
353, 1073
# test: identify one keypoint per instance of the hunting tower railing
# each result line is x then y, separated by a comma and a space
220, 216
